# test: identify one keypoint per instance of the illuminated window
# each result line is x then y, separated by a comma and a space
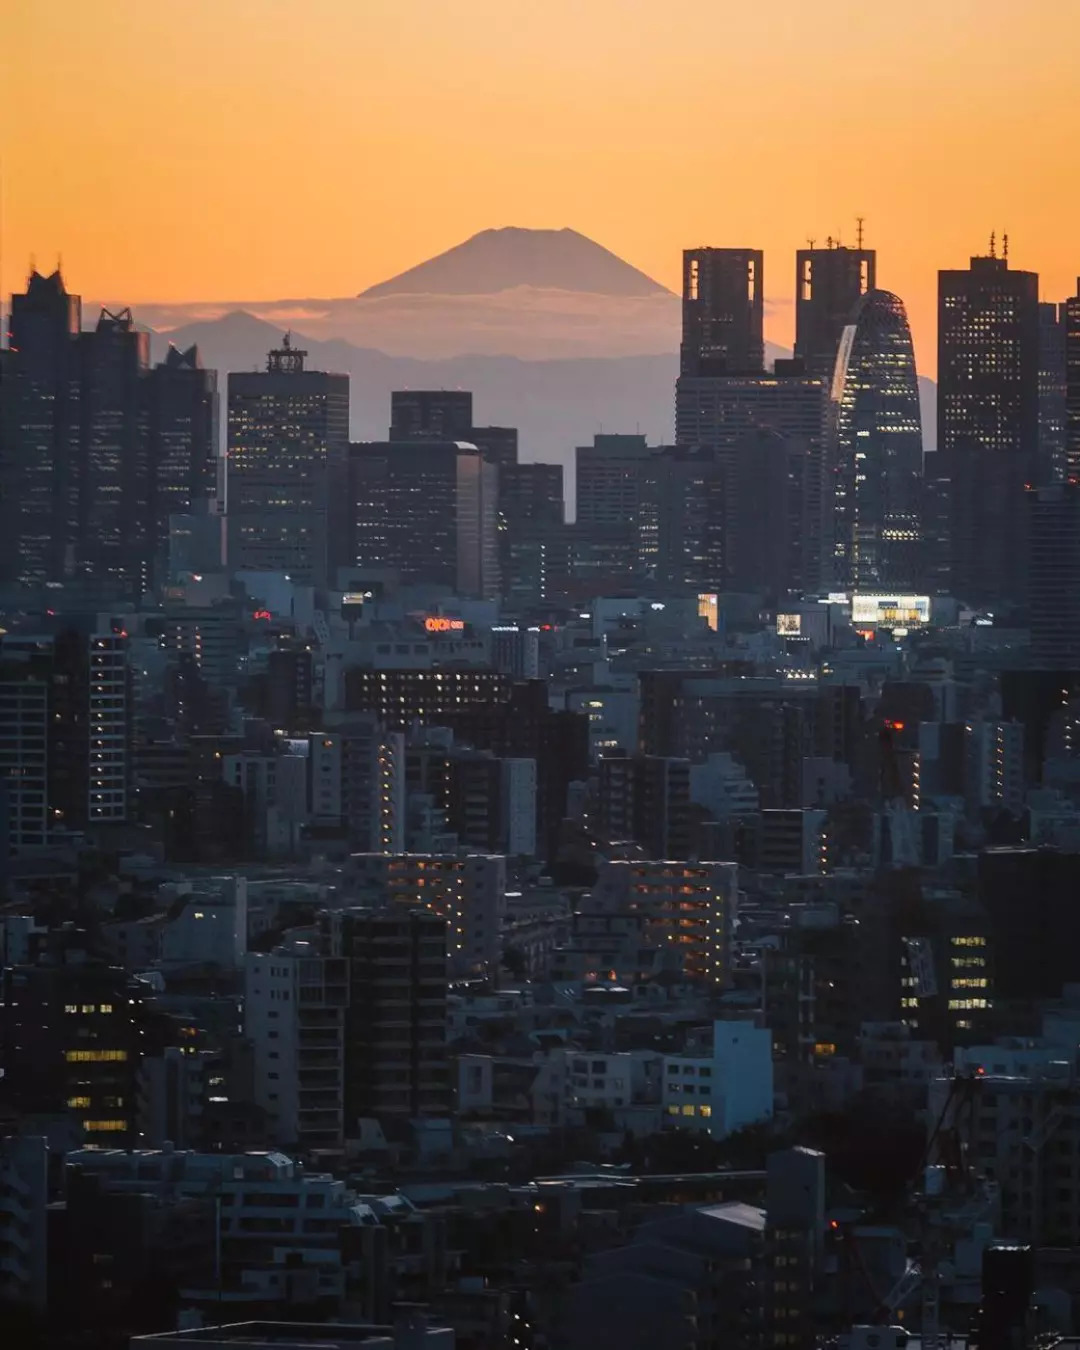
704, 1111
105, 1008
95, 1056
105, 1126
71, 1007
689, 1109
673, 1110
76, 1102
824, 1048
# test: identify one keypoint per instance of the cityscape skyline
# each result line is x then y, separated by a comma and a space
968, 119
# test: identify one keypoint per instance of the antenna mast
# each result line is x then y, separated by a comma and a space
859, 232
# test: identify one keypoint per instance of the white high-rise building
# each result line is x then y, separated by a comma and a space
294, 1015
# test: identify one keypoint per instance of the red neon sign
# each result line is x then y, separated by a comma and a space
435, 623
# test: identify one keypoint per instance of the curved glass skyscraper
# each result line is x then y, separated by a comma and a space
879, 450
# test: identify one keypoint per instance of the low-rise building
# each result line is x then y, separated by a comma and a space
726, 1090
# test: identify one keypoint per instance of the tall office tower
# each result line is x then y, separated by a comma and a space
775, 532
1053, 392
396, 1067
722, 311
113, 529
40, 431
878, 449
828, 284
441, 414
729, 415
182, 450
288, 436
671, 499
65, 730
1054, 574
531, 495
988, 421
426, 509
610, 478
1071, 310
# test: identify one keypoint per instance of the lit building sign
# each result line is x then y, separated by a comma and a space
262, 614
891, 611
789, 625
708, 608
356, 597
435, 623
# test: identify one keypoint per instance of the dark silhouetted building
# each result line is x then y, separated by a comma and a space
1071, 322
988, 422
41, 432
1054, 574
65, 731
878, 449
1053, 392
723, 311
645, 798
396, 1067
288, 435
828, 284
729, 416
73, 1034
441, 414
427, 510
114, 529
182, 453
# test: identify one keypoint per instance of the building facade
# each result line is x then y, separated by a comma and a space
877, 536
288, 433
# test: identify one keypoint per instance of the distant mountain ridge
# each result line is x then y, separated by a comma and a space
504, 259
556, 403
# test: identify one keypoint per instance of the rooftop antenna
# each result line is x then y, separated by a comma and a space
810, 243
828, 241
993, 243
1005, 247
859, 231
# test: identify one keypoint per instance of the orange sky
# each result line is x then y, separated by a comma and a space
246, 149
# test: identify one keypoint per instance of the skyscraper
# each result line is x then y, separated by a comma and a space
1053, 392
671, 500
988, 421
288, 435
723, 310
40, 431
113, 529
425, 509
828, 284
443, 414
1054, 568
1071, 321
99, 448
878, 449
182, 452
731, 416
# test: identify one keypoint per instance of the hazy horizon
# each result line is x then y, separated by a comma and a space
330, 145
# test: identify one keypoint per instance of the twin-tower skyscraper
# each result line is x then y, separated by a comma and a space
845, 407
